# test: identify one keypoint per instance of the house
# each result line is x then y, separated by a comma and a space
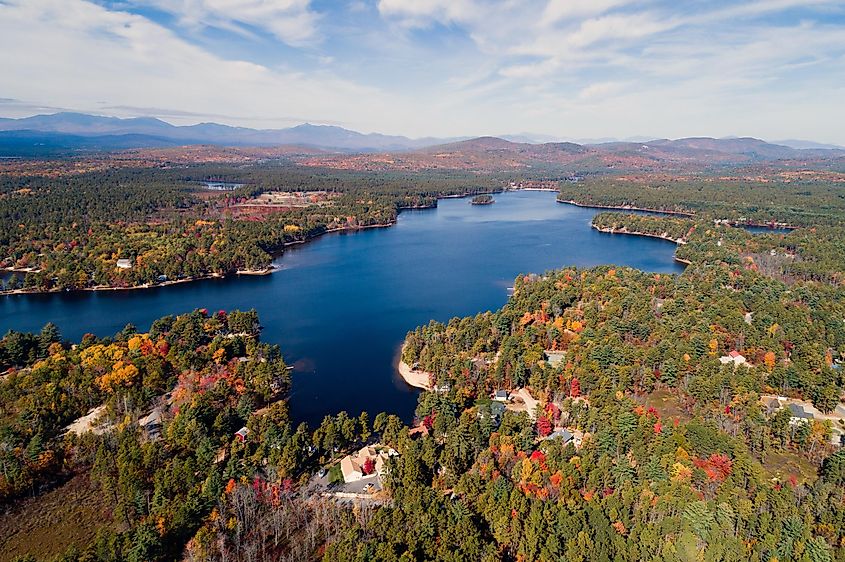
554, 358
124, 263
564, 435
501, 396
497, 409
734, 357
241, 434
355, 465
352, 471
771, 405
574, 436
491, 410
799, 415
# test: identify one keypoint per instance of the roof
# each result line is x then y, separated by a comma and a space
243, 432
501, 394
554, 357
798, 412
735, 354
497, 408
349, 467
563, 434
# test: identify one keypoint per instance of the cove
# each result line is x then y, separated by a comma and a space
340, 306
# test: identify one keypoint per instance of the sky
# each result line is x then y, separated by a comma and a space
574, 69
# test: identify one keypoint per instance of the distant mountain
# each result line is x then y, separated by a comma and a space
804, 144
321, 136
492, 154
50, 134
40, 143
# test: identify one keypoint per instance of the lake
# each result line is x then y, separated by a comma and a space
340, 306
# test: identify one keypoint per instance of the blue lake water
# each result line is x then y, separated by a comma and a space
340, 306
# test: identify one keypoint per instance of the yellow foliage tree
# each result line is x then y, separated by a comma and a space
714, 345
121, 374
769, 360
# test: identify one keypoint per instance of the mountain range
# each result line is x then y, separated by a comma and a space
148, 132
68, 131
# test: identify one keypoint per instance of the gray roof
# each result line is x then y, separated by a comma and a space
798, 412
497, 408
562, 433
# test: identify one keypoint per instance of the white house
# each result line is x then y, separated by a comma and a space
734, 357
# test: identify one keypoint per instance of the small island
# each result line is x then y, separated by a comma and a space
482, 200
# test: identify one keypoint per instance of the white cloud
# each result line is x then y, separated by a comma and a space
291, 21
565, 68
421, 13
557, 10
72, 53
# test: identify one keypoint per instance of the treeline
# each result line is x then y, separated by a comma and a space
70, 232
804, 254
800, 203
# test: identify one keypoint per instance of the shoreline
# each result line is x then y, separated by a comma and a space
623, 230
624, 208
272, 268
416, 379
265, 271
254, 273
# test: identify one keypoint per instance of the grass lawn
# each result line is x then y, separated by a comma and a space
667, 405
781, 464
48, 524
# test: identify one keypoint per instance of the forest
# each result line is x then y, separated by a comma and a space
689, 480
663, 428
68, 232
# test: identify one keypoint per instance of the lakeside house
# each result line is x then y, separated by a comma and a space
420, 429
124, 263
368, 461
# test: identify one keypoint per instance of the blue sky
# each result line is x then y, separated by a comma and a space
575, 69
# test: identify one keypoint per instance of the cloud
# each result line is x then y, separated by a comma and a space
70, 53
600, 90
441, 67
291, 21
557, 10
421, 13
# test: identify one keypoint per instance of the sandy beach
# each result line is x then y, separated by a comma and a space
417, 379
